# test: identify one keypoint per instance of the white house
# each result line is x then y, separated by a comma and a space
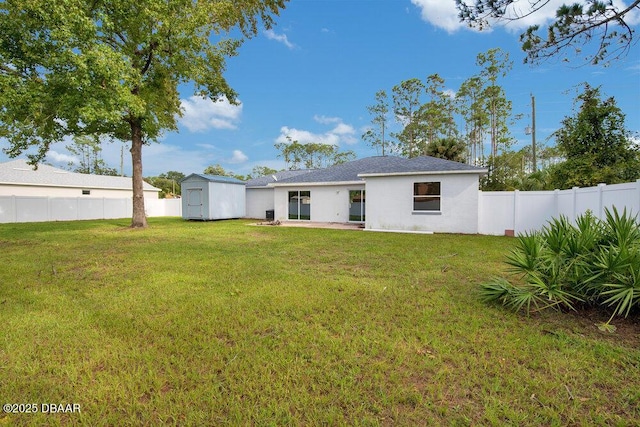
384, 193
18, 178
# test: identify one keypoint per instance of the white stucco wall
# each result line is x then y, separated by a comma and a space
329, 203
389, 202
258, 200
53, 191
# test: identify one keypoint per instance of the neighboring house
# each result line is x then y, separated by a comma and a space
259, 193
17, 178
385, 193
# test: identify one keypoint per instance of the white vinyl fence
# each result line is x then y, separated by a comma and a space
499, 212
503, 212
37, 209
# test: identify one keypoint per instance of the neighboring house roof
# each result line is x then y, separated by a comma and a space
213, 178
264, 181
19, 172
355, 171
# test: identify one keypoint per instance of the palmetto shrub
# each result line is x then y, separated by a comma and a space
564, 266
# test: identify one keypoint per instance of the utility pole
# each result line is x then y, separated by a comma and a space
533, 132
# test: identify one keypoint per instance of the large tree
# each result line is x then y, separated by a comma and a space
495, 64
168, 183
451, 148
406, 106
470, 104
88, 151
78, 67
311, 155
377, 136
436, 115
596, 145
575, 26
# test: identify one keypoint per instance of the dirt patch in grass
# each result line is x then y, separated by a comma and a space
586, 322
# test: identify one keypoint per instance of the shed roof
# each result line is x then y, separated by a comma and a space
19, 172
213, 178
356, 170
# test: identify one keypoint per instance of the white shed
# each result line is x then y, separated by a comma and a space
211, 197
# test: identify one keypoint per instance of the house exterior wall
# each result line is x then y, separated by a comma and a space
53, 191
258, 200
329, 203
389, 204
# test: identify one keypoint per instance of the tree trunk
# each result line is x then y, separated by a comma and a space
139, 219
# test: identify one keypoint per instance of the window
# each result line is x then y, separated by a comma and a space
356, 205
426, 196
300, 205
86, 192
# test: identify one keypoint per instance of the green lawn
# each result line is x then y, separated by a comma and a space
225, 323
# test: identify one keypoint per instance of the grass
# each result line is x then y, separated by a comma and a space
224, 323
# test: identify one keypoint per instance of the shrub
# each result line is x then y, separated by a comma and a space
592, 262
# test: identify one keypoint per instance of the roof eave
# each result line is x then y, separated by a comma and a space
455, 172
314, 184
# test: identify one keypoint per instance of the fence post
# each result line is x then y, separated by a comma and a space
575, 203
556, 202
601, 200
516, 194
15, 209
637, 212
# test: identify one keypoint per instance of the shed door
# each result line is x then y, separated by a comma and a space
194, 203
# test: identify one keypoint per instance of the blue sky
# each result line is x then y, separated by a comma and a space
313, 75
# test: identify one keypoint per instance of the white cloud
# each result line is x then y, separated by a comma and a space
326, 120
280, 38
341, 133
450, 93
305, 137
444, 14
202, 114
56, 157
238, 157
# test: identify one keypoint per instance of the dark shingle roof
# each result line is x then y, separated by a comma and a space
20, 172
423, 164
381, 165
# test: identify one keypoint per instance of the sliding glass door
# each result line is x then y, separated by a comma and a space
356, 205
300, 205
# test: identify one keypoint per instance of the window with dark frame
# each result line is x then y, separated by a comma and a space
426, 196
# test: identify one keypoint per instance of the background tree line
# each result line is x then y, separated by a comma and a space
591, 146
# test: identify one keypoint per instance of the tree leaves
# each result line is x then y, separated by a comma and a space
600, 26
595, 144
